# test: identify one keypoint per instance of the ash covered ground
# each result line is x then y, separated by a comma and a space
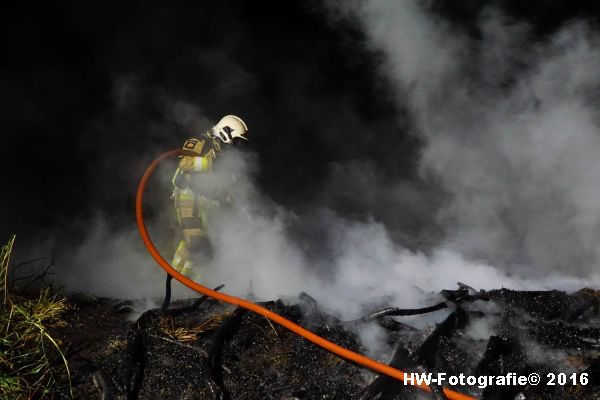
215, 351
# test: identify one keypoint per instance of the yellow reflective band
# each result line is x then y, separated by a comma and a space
178, 253
176, 260
186, 267
184, 194
202, 164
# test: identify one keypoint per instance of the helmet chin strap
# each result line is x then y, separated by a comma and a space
209, 134
215, 136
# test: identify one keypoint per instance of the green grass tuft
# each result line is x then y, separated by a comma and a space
28, 353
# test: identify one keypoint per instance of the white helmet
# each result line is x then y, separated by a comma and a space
229, 128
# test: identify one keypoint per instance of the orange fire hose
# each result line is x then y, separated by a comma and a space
297, 329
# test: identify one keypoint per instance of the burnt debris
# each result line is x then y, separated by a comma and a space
202, 349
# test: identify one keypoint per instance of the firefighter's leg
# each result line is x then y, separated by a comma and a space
194, 246
193, 236
181, 256
191, 248
182, 260
189, 225
199, 251
202, 249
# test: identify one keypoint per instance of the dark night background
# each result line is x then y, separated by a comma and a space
75, 142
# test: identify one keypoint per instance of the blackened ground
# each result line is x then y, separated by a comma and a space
219, 352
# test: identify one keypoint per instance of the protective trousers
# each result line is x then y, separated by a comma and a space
192, 217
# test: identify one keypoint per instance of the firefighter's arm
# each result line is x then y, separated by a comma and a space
195, 164
190, 164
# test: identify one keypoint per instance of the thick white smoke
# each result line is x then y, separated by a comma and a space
253, 252
511, 127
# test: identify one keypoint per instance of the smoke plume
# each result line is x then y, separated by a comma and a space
510, 128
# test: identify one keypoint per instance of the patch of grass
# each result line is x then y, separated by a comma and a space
28, 353
183, 334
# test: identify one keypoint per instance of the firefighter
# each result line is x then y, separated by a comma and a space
194, 192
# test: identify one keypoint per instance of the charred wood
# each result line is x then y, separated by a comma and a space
167, 299
215, 358
192, 307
